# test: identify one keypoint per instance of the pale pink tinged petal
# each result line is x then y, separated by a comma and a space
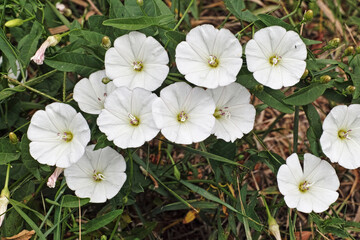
305, 204
227, 45
202, 39
292, 201
53, 178
39, 56
291, 46
154, 52
294, 165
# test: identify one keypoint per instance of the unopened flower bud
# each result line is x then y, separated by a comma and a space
333, 43
14, 23
308, 16
4, 201
53, 178
274, 228
325, 79
140, 2
103, 237
54, 40
67, 12
259, 88
305, 74
357, 49
105, 80
106, 42
349, 51
13, 138
350, 89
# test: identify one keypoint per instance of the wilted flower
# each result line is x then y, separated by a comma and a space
137, 61
39, 56
126, 118
90, 93
276, 57
53, 178
209, 57
4, 201
313, 189
340, 140
184, 114
98, 175
58, 135
234, 114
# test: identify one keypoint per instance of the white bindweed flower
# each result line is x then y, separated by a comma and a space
90, 93
98, 175
340, 140
58, 135
137, 61
234, 114
39, 56
127, 119
209, 57
184, 114
276, 57
51, 183
313, 189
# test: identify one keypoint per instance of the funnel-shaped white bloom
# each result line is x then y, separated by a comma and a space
276, 57
127, 119
51, 183
137, 61
90, 93
184, 114
58, 135
313, 189
340, 140
234, 114
209, 57
98, 175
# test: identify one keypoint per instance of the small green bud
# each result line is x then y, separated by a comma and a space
333, 43
67, 12
13, 138
259, 88
350, 89
14, 23
140, 2
106, 42
325, 79
305, 74
125, 199
308, 16
105, 80
103, 237
357, 49
349, 51
274, 228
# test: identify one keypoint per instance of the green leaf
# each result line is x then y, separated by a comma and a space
274, 98
75, 62
8, 151
99, 222
306, 95
310, 41
29, 162
207, 195
28, 45
180, 206
269, 20
71, 201
224, 149
355, 64
314, 119
137, 23
8, 51
116, 9
175, 36
236, 7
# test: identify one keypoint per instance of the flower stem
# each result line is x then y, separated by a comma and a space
296, 129
293, 12
64, 87
30, 88
182, 18
6, 186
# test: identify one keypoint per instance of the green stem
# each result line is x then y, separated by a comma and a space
30, 18
7, 177
64, 87
293, 12
296, 129
225, 20
185, 13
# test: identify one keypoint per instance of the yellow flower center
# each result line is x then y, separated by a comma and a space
138, 66
304, 186
274, 60
134, 121
66, 136
98, 176
222, 112
182, 117
213, 61
343, 134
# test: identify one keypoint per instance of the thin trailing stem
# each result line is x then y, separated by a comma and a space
296, 129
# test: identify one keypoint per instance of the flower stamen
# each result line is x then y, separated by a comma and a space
138, 66
342, 134
66, 136
133, 120
304, 186
213, 61
182, 117
222, 112
98, 176
274, 60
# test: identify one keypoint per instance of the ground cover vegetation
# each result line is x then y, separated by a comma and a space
151, 119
